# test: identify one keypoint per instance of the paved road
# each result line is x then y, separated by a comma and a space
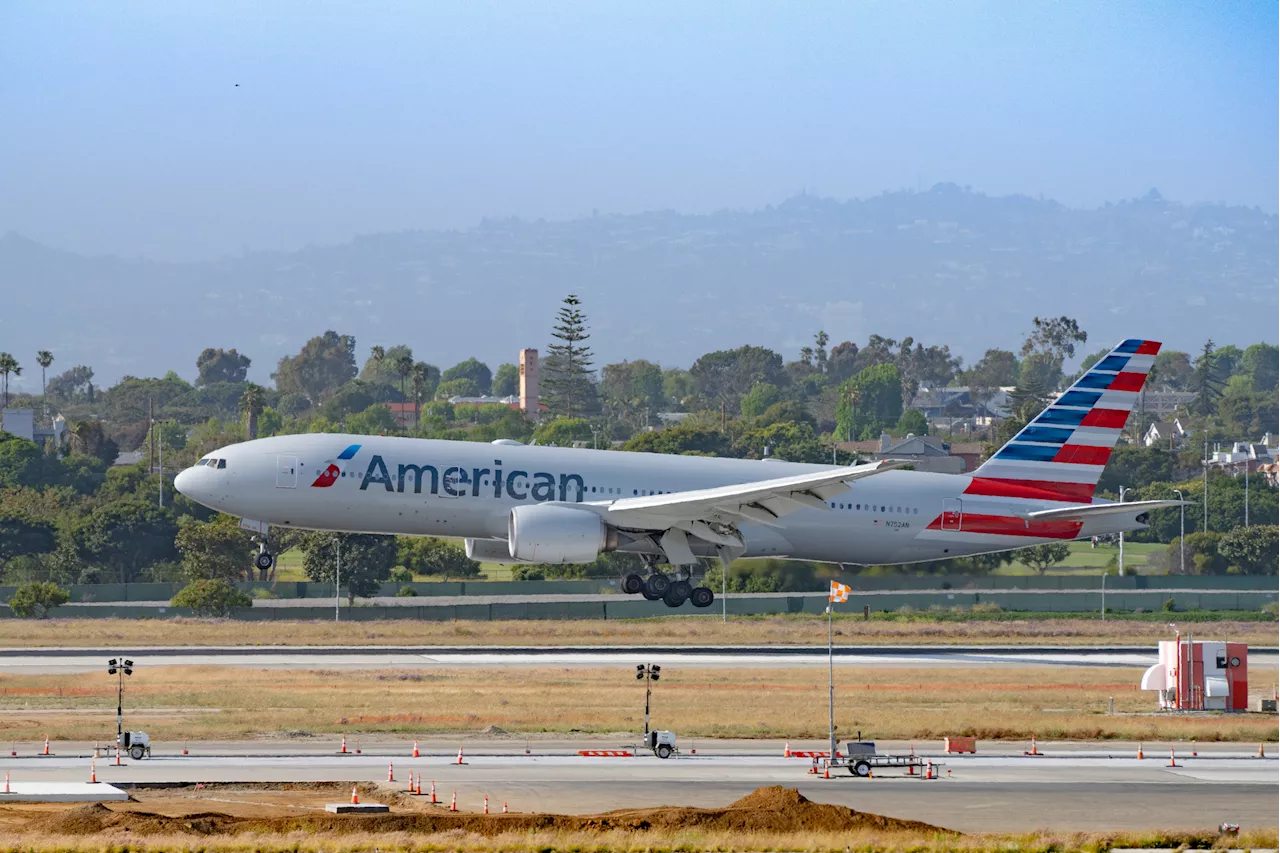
1070, 788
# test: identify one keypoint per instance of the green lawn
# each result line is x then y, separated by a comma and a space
289, 568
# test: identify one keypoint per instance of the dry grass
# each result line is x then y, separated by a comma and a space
200, 703
770, 630
625, 842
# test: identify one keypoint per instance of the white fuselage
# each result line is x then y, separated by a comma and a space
424, 487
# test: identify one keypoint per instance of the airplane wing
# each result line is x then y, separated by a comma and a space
760, 501
1102, 509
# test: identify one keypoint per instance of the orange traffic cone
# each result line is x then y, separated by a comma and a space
486, 804
826, 770
343, 750
460, 761
1261, 752
453, 803
118, 762
6, 782
410, 781
786, 750
391, 771
46, 746
184, 748
415, 749
1033, 750
418, 788
93, 772
433, 792
1140, 755
504, 806
1172, 761
355, 796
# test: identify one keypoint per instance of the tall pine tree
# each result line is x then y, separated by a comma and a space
567, 383
1206, 381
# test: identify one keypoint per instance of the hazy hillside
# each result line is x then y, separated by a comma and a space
947, 266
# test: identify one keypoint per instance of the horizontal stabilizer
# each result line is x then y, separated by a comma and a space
1102, 509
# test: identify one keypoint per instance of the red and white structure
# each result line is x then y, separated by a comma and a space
1200, 675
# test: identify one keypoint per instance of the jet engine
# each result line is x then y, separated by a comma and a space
491, 551
550, 533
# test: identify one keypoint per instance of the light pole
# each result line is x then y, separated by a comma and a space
1182, 533
120, 668
1122, 491
648, 673
337, 579
1246, 497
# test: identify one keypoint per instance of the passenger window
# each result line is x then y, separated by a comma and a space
857, 506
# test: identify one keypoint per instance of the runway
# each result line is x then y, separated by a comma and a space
1071, 787
72, 660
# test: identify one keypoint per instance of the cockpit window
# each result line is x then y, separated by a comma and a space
201, 462
222, 463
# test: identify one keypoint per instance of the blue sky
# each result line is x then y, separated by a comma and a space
123, 129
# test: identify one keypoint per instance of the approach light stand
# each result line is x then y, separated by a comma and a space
648, 673
119, 668
337, 579
1182, 534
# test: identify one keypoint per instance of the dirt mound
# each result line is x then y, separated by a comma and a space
772, 809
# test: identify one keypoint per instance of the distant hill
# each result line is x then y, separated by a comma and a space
945, 266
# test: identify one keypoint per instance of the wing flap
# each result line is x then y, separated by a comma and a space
1102, 509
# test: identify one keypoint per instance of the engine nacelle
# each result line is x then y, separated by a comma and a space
550, 533
491, 551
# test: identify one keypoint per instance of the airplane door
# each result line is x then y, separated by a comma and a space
286, 472
952, 513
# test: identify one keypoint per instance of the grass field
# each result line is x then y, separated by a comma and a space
924, 628
908, 703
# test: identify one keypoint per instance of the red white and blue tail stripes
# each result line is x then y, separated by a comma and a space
1060, 455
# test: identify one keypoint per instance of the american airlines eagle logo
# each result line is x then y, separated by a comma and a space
332, 471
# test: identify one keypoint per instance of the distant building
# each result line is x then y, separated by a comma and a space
1169, 435
926, 452
955, 403
1165, 402
22, 423
530, 391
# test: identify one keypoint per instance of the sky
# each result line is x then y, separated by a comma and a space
185, 131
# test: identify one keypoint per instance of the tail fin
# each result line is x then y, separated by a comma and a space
1060, 455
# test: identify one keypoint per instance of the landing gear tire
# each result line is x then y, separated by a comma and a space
678, 593
702, 596
663, 751
264, 561
632, 584
861, 768
657, 585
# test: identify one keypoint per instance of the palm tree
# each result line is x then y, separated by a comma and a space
252, 402
419, 385
44, 358
378, 354
404, 366
8, 364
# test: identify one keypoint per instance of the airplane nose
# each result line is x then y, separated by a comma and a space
183, 481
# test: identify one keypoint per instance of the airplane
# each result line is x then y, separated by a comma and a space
514, 503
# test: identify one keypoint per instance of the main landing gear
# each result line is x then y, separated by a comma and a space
673, 591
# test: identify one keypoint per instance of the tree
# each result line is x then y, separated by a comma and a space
842, 361
869, 402
633, 391
252, 402
933, 366
506, 380
1171, 369
367, 560
44, 358
1042, 557
37, 599
426, 380
567, 385
1251, 550
72, 384
1261, 364
215, 549
563, 432
462, 387
996, 369
209, 598
126, 536
758, 400
404, 368
1206, 381
728, 375
325, 363
687, 440
475, 370
22, 535
820, 351
431, 556
912, 422
90, 439
219, 365
355, 396
1054, 336
8, 364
